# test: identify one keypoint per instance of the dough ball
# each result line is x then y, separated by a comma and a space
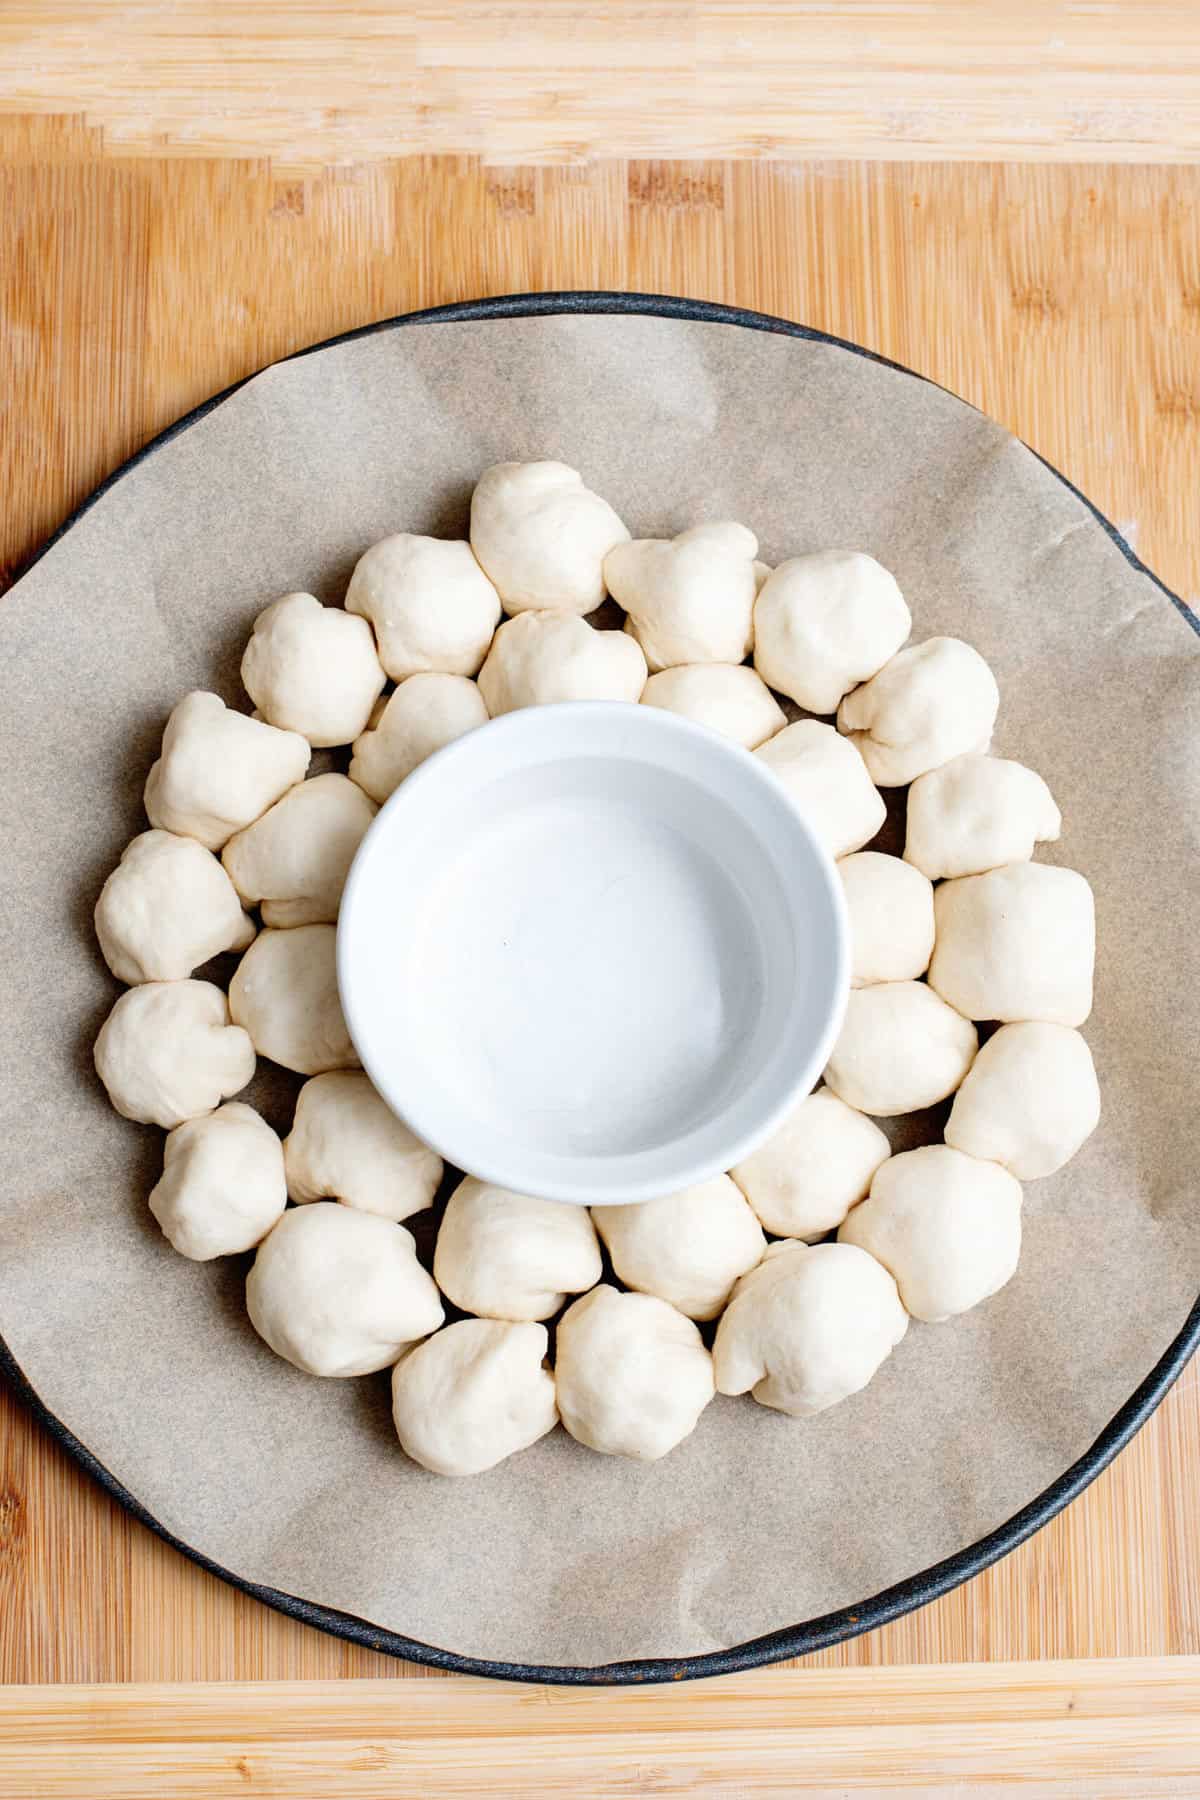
432, 606
977, 813
542, 657
808, 1327
473, 1394
891, 918
724, 696
823, 623
508, 1256
220, 770
690, 599
1016, 943
166, 908
542, 536
167, 1052
804, 1180
312, 669
828, 780
296, 858
284, 993
338, 1292
900, 1048
931, 702
347, 1144
688, 1248
948, 1228
632, 1374
1029, 1102
222, 1185
425, 713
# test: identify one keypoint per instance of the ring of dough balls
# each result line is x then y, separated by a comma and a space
312, 669
222, 1187
425, 713
219, 771
540, 658
808, 1327
687, 1248
433, 608
825, 622
947, 1226
473, 1394
929, 703
890, 908
167, 1052
726, 697
542, 536
803, 1181
1017, 943
347, 1144
632, 1374
977, 813
900, 1048
828, 780
167, 907
339, 1293
284, 993
295, 859
1029, 1102
502, 1255
690, 599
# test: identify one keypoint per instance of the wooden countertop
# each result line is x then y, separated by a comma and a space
1066, 302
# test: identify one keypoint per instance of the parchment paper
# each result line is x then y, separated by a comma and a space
756, 1522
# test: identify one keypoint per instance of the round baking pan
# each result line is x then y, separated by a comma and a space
813, 1633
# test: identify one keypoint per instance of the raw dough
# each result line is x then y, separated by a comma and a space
931, 702
431, 604
542, 657
338, 1292
166, 908
632, 1374
284, 992
724, 696
808, 1327
891, 918
222, 1185
1016, 943
312, 669
948, 1228
803, 1181
167, 1052
542, 536
976, 813
688, 1248
690, 599
220, 770
295, 859
347, 1144
507, 1256
828, 780
824, 622
900, 1048
1029, 1102
473, 1394
425, 713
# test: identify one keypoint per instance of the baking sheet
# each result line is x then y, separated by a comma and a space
756, 1522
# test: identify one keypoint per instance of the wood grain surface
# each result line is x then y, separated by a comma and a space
1064, 301
560, 80
1054, 1731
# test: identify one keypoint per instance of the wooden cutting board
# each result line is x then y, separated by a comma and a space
1064, 301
